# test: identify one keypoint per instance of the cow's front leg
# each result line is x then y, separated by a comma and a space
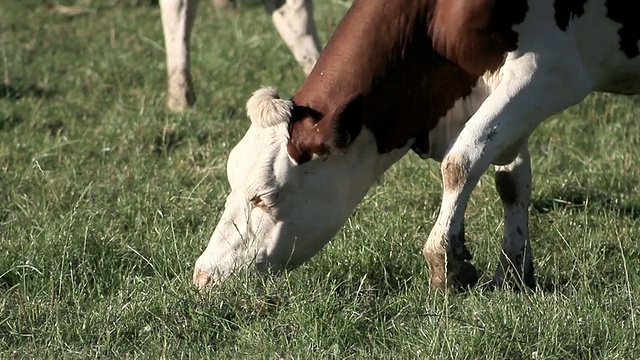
513, 183
445, 251
177, 22
531, 89
294, 21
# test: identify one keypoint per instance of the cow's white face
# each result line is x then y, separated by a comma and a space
280, 213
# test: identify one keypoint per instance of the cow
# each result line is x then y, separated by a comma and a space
292, 18
463, 82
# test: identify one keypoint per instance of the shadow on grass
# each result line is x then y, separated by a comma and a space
579, 199
9, 279
102, 267
166, 142
15, 93
552, 283
9, 122
376, 280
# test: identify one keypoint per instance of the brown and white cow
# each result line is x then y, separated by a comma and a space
292, 18
464, 82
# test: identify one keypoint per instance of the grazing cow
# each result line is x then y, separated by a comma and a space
292, 18
464, 82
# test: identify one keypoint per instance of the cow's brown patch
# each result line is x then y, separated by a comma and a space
506, 187
306, 137
407, 61
476, 34
311, 136
454, 174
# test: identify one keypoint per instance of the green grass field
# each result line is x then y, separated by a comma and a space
107, 200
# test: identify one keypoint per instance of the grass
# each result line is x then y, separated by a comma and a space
107, 200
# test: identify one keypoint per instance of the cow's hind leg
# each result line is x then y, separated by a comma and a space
531, 89
177, 22
513, 182
294, 21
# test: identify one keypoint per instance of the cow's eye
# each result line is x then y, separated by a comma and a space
265, 199
257, 201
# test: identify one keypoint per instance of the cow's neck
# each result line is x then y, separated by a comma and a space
406, 86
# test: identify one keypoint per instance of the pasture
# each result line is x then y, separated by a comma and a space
107, 199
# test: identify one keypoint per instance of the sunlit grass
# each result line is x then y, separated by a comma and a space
106, 201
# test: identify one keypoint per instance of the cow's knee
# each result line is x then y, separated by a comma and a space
455, 172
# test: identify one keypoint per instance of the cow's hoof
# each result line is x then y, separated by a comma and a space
180, 93
176, 106
180, 103
200, 278
224, 4
514, 274
465, 276
512, 281
450, 276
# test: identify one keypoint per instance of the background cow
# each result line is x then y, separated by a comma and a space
292, 18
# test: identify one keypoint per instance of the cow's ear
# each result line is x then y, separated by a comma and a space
265, 108
306, 135
347, 123
315, 134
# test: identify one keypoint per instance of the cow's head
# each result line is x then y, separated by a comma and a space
295, 177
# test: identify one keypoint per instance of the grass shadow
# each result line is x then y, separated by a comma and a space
579, 199
552, 283
9, 122
15, 93
378, 280
168, 141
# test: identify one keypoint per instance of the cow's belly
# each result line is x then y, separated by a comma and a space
449, 126
441, 138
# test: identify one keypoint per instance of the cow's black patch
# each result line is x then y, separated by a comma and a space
625, 12
567, 10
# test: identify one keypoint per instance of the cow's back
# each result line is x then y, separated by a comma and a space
600, 36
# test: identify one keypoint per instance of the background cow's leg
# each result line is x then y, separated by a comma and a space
177, 22
513, 182
224, 4
294, 21
530, 90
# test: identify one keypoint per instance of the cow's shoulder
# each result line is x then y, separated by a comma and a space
476, 34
